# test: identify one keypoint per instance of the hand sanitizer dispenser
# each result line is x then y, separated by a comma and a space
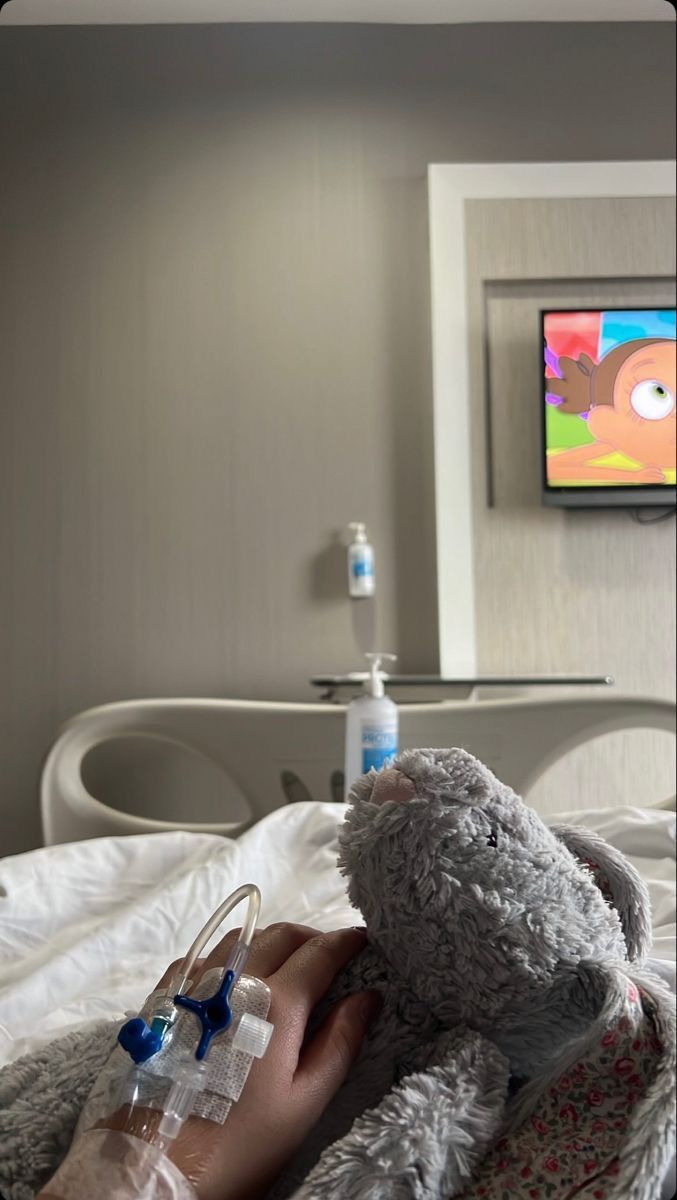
372, 725
360, 562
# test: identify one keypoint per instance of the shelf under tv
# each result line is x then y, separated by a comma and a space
419, 688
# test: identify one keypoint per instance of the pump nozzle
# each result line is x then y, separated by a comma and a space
373, 684
358, 530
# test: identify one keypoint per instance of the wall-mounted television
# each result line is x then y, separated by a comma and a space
609, 420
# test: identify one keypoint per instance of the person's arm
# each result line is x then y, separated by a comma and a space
286, 1091
576, 464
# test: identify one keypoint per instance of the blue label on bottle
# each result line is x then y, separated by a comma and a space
362, 567
378, 746
376, 758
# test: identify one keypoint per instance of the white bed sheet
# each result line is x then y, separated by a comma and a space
86, 929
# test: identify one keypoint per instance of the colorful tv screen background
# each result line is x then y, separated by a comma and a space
626, 435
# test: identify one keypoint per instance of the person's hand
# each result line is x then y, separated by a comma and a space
288, 1089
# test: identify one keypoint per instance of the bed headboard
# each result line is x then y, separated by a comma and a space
252, 757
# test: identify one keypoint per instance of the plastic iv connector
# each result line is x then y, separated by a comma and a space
190, 1055
160, 1042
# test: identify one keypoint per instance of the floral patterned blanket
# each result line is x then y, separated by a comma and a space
568, 1148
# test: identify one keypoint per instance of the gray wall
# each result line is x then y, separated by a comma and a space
215, 342
589, 592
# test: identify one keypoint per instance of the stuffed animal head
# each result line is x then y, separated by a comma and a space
481, 910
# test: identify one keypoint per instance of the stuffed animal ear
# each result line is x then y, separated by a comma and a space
618, 881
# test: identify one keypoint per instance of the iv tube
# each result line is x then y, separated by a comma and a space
238, 956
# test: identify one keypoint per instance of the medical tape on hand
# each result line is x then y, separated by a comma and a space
226, 1068
119, 1167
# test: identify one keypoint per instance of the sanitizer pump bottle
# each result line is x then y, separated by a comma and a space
360, 562
371, 725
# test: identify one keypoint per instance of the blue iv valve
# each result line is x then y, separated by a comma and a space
214, 1013
140, 1040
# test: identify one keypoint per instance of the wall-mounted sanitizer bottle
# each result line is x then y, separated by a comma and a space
360, 562
372, 725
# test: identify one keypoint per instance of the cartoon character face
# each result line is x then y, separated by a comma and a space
641, 421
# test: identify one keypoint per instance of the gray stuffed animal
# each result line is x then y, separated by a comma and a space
521, 1050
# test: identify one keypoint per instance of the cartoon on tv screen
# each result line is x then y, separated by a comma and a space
610, 397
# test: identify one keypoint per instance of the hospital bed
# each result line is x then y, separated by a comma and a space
218, 766
89, 922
